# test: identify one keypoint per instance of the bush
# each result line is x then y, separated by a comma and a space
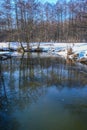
69, 51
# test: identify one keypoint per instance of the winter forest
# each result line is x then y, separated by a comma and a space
32, 21
43, 65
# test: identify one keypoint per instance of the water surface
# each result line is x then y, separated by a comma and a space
42, 93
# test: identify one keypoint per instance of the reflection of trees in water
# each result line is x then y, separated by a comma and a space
24, 80
27, 79
3, 95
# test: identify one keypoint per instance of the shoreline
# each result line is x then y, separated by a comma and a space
78, 52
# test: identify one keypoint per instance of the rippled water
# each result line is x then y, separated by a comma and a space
42, 93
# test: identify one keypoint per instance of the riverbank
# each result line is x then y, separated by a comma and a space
76, 52
73, 51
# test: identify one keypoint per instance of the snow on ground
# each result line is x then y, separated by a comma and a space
61, 48
5, 52
77, 48
54, 48
81, 49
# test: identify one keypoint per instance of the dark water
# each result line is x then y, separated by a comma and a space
42, 93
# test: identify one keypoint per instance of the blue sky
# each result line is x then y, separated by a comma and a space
50, 1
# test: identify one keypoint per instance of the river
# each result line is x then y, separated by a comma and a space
42, 93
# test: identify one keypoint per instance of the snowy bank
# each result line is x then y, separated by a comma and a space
79, 52
79, 49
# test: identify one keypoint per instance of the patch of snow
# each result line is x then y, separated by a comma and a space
52, 48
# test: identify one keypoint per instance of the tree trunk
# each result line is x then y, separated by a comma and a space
22, 47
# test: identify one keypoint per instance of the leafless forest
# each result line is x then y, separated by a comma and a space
32, 21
